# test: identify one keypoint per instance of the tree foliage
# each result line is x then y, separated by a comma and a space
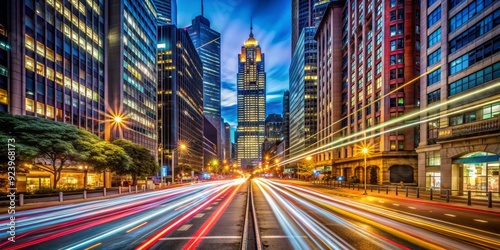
143, 163
53, 146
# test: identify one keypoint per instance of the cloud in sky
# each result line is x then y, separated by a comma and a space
271, 27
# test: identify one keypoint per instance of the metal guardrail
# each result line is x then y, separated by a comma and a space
448, 195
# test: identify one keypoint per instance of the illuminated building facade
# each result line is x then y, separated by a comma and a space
274, 127
167, 11
380, 42
180, 99
303, 92
251, 103
4, 59
227, 139
286, 120
132, 88
57, 62
459, 144
207, 43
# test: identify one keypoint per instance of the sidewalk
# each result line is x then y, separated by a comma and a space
34, 205
440, 201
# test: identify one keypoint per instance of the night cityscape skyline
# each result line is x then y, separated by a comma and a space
232, 20
249, 125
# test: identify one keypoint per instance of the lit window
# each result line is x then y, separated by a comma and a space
4, 97
50, 54
50, 74
40, 69
30, 64
59, 78
393, 145
40, 49
29, 42
3, 71
50, 111
40, 108
378, 83
30, 105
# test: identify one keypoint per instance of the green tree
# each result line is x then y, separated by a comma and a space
143, 163
52, 146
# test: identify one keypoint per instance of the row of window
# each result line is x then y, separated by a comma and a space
434, 77
467, 13
434, 17
434, 38
479, 53
434, 57
479, 29
434, 96
475, 79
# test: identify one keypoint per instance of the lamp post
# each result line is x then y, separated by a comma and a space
182, 147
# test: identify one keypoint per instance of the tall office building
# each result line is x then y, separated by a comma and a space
306, 13
4, 59
286, 121
132, 87
302, 13
303, 92
207, 43
274, 127
380, 53
227, 139
251, 103
459, 144
167, 11
56, 67
180, 99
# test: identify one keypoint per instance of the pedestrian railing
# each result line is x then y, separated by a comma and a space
487, 198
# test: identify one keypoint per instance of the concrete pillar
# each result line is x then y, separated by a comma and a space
21, 200
104, 191
61, 199
85, 194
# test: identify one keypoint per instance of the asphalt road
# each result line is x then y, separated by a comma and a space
290, 215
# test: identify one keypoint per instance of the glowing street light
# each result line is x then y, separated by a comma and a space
182, 147
118, 119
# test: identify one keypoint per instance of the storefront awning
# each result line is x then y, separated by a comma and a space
477, 159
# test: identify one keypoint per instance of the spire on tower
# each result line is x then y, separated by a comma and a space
251, 27
201, 7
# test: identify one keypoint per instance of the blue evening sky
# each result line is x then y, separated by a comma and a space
272, 29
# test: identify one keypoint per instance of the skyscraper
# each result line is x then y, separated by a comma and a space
286, 121
132, 86
207, 43
274, 125
379, 46
301, 17
57, 61
459, 144
251, 103
180, 99
167, 11
303, 92
306, 13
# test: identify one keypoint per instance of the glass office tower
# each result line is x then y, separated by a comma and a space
132, 87
251, 103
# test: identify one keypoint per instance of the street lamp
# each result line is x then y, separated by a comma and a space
182, 147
